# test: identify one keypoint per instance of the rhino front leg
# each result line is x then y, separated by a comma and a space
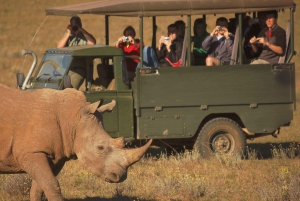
37, 166
36, 192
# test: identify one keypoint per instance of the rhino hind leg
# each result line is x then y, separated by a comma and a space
37, 166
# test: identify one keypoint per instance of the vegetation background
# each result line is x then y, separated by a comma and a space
271, 172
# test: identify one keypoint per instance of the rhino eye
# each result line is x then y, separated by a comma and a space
101, 148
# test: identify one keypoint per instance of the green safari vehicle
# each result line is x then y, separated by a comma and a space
211, 109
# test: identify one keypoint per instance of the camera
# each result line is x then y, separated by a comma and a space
166, 38
254, 20
126, 38
221, 28
75, 28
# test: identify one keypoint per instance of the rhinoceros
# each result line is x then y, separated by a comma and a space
40, 130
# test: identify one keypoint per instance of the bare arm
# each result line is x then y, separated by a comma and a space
253, 42
62, 42
274, 48
90, 38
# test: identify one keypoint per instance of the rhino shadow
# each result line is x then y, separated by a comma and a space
264, 150
119, 198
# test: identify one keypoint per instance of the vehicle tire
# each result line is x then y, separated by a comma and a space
220, 136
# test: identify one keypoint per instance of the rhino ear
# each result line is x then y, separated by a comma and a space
109, 106
94, 106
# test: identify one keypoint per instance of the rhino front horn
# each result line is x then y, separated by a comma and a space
134, 155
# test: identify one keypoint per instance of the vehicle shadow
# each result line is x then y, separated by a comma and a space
273, 150
260, 151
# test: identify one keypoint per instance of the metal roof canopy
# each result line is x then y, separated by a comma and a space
146, 8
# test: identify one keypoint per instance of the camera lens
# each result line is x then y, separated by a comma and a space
75, 28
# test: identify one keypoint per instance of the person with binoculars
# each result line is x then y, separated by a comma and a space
76, 35
219, 44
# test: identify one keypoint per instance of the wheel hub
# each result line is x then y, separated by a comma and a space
221, 143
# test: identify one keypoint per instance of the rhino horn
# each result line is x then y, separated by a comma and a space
118, 142
133, 155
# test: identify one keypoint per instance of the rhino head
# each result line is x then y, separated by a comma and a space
102, 155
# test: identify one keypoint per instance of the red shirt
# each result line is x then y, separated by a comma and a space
132, 50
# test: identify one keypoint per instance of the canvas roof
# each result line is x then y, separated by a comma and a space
146, 8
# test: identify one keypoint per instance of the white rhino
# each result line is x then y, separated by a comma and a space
41, 130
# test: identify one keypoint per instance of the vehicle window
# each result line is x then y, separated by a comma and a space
53, 66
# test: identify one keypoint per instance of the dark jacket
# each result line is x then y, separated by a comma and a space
219, 49
173, 56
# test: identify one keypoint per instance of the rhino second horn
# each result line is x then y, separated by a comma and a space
134, 155
118, 142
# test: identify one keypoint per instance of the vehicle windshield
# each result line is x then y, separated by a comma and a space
53, 67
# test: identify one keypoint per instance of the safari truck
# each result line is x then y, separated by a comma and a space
211, 109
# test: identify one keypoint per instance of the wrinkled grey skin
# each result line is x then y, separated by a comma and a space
42, 129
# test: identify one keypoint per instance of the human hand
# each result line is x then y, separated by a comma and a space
121, 39
129, 39
215, 31
69, 28
261, 40
253, 40
226, 32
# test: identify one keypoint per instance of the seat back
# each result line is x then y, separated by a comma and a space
288, 33
184, 49
235, 47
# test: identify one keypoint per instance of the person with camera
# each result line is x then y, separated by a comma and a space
270, 42
219, 44
169, 49
76, 35
131, 47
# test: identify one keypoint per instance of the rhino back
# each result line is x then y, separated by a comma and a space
37, 121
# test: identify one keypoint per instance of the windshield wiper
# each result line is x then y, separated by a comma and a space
50, 78
45, 74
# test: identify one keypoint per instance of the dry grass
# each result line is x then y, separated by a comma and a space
271, 172
184, 177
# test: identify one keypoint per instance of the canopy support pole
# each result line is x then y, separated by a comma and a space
106, 30
141, 41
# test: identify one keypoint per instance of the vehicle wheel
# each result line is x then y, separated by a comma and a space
220, 136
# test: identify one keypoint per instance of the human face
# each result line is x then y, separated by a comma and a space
200, 29
172, 33
222, 24
74, 22
270, 20
129, 33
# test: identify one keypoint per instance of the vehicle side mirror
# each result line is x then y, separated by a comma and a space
20, 79
67, 81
